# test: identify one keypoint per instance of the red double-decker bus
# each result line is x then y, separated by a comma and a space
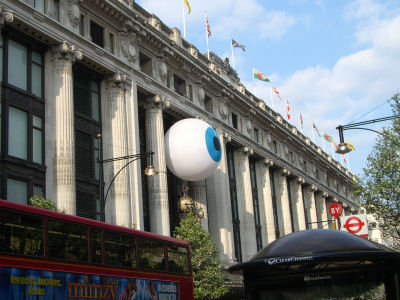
51, 255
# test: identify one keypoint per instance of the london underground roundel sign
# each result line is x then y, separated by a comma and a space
335, 210
356, 224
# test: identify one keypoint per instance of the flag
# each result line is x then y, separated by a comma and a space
327, 137
344, 158
334, 144
188, 5
208, 27
236, 44
316, 129
276, 92
301, 120
258, 75
288, 109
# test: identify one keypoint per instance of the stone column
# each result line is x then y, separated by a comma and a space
245, 202
322, 213
118, 209
310, 206
62, 110
158, 187
199, 194
265, 200
297, 204
282, 201
219, 205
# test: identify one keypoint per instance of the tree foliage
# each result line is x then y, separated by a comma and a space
207, 269
43, 202
379, 186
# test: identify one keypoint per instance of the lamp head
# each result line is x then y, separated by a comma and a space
151, 170
343, 148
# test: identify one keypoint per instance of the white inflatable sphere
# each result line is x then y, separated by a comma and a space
192, 149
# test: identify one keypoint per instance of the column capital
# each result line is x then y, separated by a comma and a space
313, 187
246, 150
325, 194
268, 162
118, 80
301, 180
67, 50
285, 172
157, 101
6, 15
227, 137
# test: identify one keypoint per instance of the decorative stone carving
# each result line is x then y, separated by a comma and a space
223, 111
247, 150
163, 71
129, 45
155, 22
227, 137
301, 180
242, 88
118, 79
248, 126
74, 12
194, 51
66, 49
268, 162
202, 96
5, 15
285, 172
314, 188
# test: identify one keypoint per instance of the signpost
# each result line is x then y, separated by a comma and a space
356, 224
335, 210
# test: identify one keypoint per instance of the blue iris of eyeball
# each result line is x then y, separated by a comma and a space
192, 149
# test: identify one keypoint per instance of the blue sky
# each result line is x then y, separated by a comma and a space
336, 61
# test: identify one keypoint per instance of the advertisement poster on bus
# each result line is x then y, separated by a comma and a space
28, 284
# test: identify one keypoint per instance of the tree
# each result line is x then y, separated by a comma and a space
208, 275
379, 186
43, 202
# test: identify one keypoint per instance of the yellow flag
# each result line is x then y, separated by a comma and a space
350, 145
188, 5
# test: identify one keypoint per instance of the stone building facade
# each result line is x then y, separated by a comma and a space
73, 69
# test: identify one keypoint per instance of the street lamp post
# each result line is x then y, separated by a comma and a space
149, 171
343, 148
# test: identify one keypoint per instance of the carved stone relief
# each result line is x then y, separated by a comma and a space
74, 12
129, 45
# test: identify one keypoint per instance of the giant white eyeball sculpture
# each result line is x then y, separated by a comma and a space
192, 149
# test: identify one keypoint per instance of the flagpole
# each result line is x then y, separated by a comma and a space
255, 88
348, 162
184, 20
272, 97
323, 144
233, 60
208, 50
313, 133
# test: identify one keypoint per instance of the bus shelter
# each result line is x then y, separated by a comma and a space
321, 264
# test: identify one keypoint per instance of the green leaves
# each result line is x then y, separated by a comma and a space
208, 275
379, 187
42, 202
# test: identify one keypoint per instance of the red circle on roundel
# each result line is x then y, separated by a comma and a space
335, 210
353, 222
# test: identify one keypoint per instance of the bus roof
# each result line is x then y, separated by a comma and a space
86, 221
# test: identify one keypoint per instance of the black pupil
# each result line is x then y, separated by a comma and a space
217, 146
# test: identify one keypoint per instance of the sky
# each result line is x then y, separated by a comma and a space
335, 61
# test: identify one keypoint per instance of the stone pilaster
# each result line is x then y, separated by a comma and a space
297, 203
199, 193
118, 209
309, 202
219, 205
245, 202
265, 199
282, 201
158, 187
62, 107
322, 213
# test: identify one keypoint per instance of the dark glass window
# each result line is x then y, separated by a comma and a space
274, 204
234, 204
190, 92
208, 104
234, 121
152, 255
290, 203
256, 134
178, 259
97, 248
111, 43
21, 234
67, 241
180, 86
82, 25
256, 205
275, 145
120, 249
146, 65
96, 33
38, 4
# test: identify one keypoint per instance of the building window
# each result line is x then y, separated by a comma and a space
22, 115
208, 104
190, 92
38, 4
87, 109
180, 86
234, 121
56, 10
256, 206
96, 34
234, 204
274, 204
82, 25
111, 43
256, 135
290, 203
275, 146
304, 166
145, 64
291, 157
316, 174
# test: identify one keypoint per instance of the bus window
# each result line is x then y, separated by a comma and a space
178, 261
21, 234
67, 241
120, 249
97, 250
151, 254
